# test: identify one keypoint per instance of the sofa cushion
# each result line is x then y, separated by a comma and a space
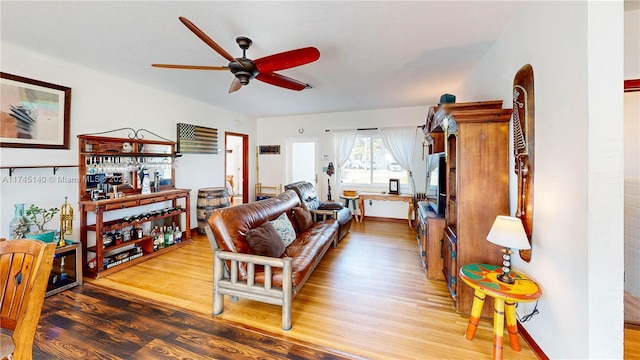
283, 226
265, 240
302, 217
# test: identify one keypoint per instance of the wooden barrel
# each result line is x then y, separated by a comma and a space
210, 199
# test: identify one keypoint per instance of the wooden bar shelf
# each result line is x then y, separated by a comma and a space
126, 164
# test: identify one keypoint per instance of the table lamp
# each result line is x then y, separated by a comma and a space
508, 231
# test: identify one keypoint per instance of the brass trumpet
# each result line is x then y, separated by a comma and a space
66, 221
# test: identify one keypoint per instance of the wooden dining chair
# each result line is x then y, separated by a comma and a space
24, 273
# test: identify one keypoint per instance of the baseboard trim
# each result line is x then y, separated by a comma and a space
534, 346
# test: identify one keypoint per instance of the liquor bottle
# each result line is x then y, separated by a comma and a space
154, 234
177, 235
168, 236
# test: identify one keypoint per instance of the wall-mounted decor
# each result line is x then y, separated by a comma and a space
194, 139
523, 148
269, 149
34, 114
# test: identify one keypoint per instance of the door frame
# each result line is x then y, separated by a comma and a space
244, 162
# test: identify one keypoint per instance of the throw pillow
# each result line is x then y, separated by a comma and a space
264, 240
303, 218
284, 228
330, 206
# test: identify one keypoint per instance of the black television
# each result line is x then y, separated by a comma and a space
436, 182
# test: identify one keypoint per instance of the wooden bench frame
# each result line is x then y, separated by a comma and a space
227, 282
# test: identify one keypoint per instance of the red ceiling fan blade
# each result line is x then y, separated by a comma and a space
287, 59
235, 85
199, 33
282, 81
190, 67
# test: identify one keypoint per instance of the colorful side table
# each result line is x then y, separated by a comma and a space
483, 279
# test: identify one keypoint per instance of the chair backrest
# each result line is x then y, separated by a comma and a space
306, 192
24, 273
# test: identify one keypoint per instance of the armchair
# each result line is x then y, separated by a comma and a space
322, 209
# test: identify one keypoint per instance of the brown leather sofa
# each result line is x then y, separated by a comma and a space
322, 209
239, 272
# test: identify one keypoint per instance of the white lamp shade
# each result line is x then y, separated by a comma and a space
508, 231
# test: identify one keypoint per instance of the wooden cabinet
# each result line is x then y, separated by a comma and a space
430, 229
477, 166
118, 207
66, 271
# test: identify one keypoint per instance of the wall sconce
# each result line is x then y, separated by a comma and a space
508, 231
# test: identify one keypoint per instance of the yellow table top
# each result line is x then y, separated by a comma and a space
483, 277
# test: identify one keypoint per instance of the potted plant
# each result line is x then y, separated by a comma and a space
39, 217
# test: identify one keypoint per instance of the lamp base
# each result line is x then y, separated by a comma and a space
505, 278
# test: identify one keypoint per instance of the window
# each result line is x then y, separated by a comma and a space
371, 163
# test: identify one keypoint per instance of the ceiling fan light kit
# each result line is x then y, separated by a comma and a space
245, 69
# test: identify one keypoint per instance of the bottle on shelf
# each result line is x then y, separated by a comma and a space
155, 236
168, 236
177, 234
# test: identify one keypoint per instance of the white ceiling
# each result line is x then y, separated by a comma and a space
380, 54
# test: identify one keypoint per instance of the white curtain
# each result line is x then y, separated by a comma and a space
343, 141
401, 143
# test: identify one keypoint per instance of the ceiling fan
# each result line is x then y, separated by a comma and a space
245, 69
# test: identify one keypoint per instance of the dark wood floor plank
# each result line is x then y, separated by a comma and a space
159, 350
52, 342
92, 322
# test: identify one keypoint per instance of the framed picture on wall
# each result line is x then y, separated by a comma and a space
394, 186
269, 149
34, 114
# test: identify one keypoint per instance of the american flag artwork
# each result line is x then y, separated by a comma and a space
194, 139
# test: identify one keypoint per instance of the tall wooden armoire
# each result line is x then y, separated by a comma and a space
477, 152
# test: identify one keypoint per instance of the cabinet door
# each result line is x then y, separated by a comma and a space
450, 265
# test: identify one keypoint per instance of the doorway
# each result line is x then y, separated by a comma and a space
302, 160
237, 167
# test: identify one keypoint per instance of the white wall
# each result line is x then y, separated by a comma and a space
100, 102
276, 130
576, 52
632, 155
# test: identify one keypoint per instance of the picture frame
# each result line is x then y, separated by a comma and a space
394, 186
34, 114
269, 149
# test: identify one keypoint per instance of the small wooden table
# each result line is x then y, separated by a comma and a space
483, 279
353, 199
386, 197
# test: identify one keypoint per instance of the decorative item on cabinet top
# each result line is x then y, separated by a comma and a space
112, 167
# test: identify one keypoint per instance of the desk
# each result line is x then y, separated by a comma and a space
386, 197
352, 199
483, 279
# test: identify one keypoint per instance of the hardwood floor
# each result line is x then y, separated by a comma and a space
369, 297
93, 322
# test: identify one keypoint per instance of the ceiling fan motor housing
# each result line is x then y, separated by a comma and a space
244, 69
